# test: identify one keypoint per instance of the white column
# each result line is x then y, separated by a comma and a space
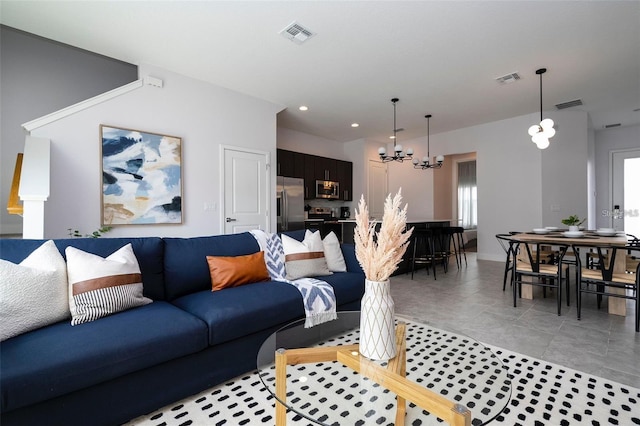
34, 185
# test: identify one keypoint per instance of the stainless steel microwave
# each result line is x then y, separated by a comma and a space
327, 189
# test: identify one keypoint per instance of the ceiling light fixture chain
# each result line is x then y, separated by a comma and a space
426, 161
541, 133
398, 154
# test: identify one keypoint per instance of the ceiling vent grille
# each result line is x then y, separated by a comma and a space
297, 33
509, 78
608, 126
565, 105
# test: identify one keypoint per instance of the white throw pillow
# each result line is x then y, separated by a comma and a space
33, 294
99, 286
333, 253
304, 259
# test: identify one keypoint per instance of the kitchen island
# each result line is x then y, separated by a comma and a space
349, 226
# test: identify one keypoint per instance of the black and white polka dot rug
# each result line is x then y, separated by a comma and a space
541, 393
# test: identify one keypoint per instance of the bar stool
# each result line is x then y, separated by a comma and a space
423, 252
455, 233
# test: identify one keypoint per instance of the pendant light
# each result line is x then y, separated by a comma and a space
426, 161
541, 133
398, 154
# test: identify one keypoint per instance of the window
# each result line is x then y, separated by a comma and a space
467, 195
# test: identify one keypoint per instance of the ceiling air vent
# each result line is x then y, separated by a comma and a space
565, 105
608, 126
297, 33
509, 78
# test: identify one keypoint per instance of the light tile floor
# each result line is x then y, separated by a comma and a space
471, 301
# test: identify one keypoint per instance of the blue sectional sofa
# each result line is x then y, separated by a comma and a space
116, 368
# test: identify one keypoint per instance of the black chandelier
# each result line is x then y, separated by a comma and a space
398, 154
425, 163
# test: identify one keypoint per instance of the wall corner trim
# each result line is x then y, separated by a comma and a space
88, 103
35, 176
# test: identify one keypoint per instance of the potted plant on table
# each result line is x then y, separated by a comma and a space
573, 222
379, 254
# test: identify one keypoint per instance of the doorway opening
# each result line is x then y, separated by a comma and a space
625, 195
455, 195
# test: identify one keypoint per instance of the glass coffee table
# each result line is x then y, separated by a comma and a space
318, 374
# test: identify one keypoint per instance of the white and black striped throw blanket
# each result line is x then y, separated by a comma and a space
317, 295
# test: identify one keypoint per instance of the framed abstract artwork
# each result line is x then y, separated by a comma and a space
141, 177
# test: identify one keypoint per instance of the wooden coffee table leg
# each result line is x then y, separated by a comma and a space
281, 387
398, 365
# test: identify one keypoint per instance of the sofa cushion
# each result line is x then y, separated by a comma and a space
100, 286
186, 268
33, 294
148, 250
234, 271
347, 286
60, 358
239, 311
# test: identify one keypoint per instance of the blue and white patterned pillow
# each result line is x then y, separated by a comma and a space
274, 257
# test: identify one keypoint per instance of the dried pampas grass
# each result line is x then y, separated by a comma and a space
379, 253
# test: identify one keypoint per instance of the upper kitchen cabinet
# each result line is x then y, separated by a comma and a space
344, 171
325, 169
312, 168
290, 164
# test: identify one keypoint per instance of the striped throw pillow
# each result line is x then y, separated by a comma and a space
304, 259
99, 286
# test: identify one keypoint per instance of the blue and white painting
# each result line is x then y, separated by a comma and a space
141, 177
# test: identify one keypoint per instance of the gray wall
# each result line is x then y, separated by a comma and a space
37, 77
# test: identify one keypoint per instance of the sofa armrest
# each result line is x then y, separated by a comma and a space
349, 253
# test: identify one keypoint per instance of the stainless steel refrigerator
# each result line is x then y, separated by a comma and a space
290, 203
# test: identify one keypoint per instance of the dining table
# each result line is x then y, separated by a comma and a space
616, 305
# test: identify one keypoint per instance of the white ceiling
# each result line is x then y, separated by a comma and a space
438, 57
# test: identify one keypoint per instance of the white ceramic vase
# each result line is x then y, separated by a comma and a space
377, 329
574, 228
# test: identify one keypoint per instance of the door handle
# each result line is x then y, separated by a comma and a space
231, 219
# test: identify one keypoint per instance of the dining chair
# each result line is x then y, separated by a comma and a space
533, 262
504, 240
602, 280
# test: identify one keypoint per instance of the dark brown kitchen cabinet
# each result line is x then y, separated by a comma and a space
290, 164
325, 168
309, 177
312, 168
344, 171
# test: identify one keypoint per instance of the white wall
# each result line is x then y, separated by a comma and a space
564, 171
512, 192
293, 140
606, 141
203, 115
40, 76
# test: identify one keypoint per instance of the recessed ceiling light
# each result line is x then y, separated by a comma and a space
303, 108
392, 137
355, 125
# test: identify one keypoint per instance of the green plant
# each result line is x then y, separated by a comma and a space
573, 220
95, 234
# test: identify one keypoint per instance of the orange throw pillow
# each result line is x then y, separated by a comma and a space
234, 271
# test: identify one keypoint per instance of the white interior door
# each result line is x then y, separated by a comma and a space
245, 190
377, 188
625, 183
